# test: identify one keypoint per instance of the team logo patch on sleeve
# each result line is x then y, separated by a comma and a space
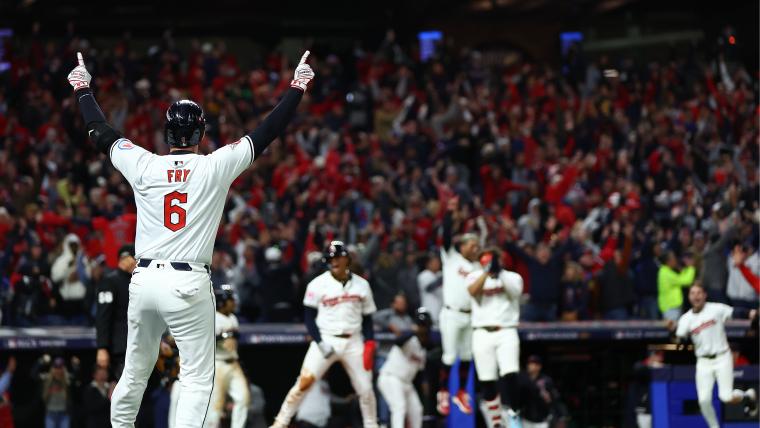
125, 145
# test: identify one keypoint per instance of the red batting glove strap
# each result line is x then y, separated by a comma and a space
369, 354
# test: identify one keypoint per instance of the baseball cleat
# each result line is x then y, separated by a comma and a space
443, 402
463, 401
750, 402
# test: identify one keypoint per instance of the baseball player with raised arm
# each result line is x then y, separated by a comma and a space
229, 379
338, 308
456, 332
405, 359
495, 344
180, 198
704, 324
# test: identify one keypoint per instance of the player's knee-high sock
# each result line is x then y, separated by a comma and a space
491, 407
368, 407
464, 371
510, 395
444, 377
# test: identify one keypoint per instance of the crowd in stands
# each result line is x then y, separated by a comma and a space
610, 191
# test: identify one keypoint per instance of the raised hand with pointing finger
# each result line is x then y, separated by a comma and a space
79, 77
303, 74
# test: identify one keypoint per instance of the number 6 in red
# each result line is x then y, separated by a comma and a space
174, 215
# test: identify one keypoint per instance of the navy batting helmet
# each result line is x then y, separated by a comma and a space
185, 124
223, 294
335, 249
422, 317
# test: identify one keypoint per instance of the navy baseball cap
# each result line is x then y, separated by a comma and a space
127, 250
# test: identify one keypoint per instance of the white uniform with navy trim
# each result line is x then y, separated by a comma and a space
456, 334
340, 309
180, 199
715, 362
229, 379
495, 314
395, 383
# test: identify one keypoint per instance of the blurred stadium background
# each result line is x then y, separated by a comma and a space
621, 134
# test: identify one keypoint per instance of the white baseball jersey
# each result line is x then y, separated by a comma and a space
455, 269
226, 324
340, 308
499, 301
406, 360
179, 197
706, 328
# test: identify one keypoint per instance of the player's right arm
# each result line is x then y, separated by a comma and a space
237, 161
311, 304
448, 224
129, 157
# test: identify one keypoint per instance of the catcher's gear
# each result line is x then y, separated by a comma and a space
422, 317
335, 249
185, 124
303, 74
79, 78
223, 294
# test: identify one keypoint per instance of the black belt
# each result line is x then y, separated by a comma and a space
713, 356
464, 311
230, 360
176, 265
490, 328
342, 336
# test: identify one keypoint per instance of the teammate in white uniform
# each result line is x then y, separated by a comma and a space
456, 333
229, 379
338, 315
180, 198
405, 359
495, 344
704, 323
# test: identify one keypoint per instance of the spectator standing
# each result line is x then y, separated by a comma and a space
545, 271
616, 287
111, 315
670, 282
714, 273
69, 273
646, 269
574, 299
96, 399
56, 392
429, 282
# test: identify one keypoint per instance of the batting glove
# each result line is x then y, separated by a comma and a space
369, 354
326, 349
303, 74
79, 77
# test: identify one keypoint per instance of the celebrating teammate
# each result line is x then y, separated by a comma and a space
180, 198
229, 378
405, 359
338, 315
456, 332
704, 323
495, 344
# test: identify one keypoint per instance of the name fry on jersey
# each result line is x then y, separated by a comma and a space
179, 175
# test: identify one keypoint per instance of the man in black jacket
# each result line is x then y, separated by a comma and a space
111, 318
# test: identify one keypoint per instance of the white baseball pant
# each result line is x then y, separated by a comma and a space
456, 336
497, 353
720, 368
160, 296
350, 352
403, 401
229, 380
173, 400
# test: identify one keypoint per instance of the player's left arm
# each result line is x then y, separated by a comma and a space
368, 329
513, 284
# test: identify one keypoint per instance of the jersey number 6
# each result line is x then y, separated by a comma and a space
171, 221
